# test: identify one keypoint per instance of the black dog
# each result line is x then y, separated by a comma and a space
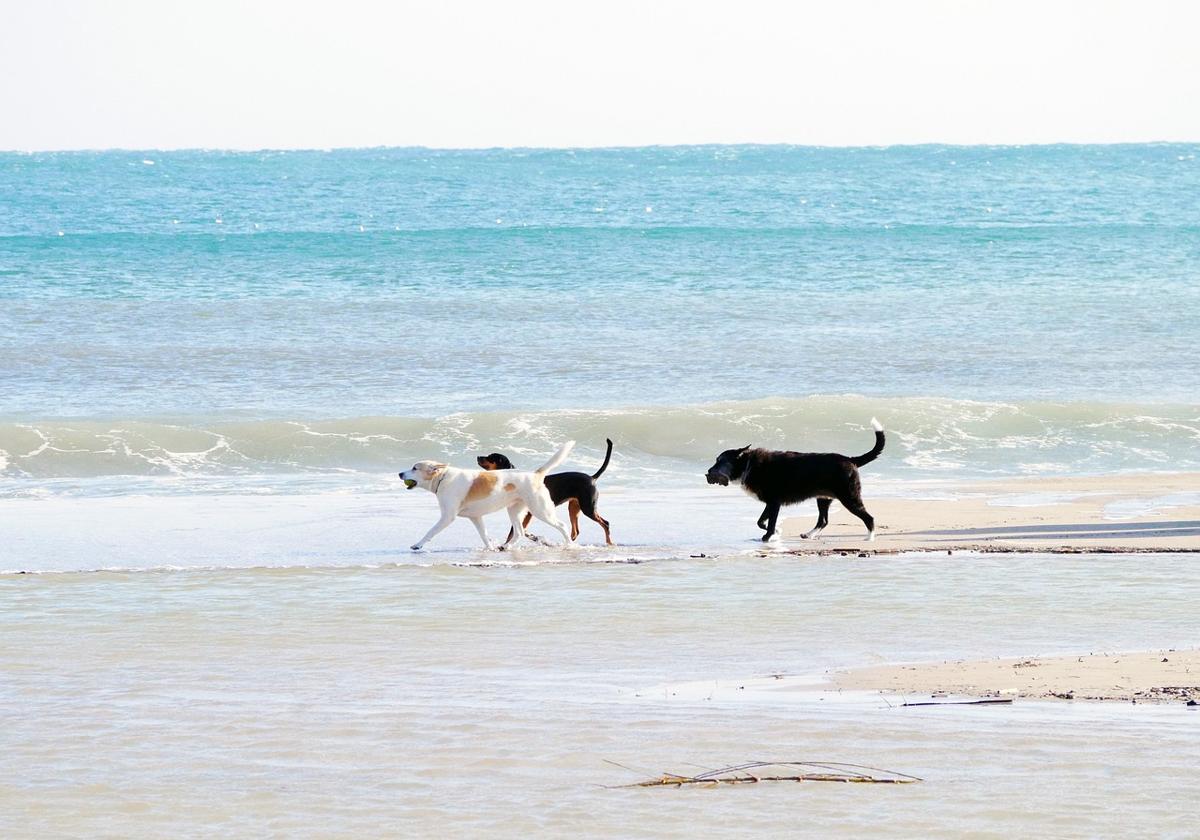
785, 478
579, 488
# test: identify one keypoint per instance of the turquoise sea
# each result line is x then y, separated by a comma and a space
203, 314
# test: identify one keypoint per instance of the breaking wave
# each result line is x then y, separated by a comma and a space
927, 437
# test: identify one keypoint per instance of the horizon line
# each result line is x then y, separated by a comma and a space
598, 148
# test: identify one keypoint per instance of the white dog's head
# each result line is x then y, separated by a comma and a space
422, 474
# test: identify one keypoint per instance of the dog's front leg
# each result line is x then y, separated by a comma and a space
441, 525
772, 514
516, 513
477, 521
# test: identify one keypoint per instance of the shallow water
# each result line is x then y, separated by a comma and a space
465, 700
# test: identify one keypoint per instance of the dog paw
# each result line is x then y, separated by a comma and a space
416, 547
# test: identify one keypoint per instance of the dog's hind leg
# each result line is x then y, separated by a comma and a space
542, 507
516, 512
762, 520
532, 537
589, 510
853, 503
822, 519
573, 513
772, 514
477, 521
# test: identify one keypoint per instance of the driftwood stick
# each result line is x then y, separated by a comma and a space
740, 774
680, 781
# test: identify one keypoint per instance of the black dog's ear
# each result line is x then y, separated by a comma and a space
744, 448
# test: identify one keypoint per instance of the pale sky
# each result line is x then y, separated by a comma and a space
267, 74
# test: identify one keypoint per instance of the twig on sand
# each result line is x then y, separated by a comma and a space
782, 771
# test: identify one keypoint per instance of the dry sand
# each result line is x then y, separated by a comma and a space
1141, 512
1167, 676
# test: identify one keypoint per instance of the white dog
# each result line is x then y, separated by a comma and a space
475, 493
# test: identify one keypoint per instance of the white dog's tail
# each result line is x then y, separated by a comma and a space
556, 459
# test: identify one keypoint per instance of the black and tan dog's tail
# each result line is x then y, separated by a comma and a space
603, 466
874, 453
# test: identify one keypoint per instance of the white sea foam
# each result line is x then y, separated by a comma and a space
925, 438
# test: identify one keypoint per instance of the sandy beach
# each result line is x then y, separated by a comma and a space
1144, 512
1164, 676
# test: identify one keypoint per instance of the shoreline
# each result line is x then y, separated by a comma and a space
1132, 513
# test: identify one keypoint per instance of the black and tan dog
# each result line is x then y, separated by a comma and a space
575, 487
786, 478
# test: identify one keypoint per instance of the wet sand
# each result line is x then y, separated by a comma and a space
1145, 512
1166, 676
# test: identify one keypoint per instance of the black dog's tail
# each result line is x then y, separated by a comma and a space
603, 466
874, 453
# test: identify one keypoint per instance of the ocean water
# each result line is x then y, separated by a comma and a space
213, 364
412, 282
205, 314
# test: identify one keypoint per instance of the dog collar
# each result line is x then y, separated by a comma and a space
436, 481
